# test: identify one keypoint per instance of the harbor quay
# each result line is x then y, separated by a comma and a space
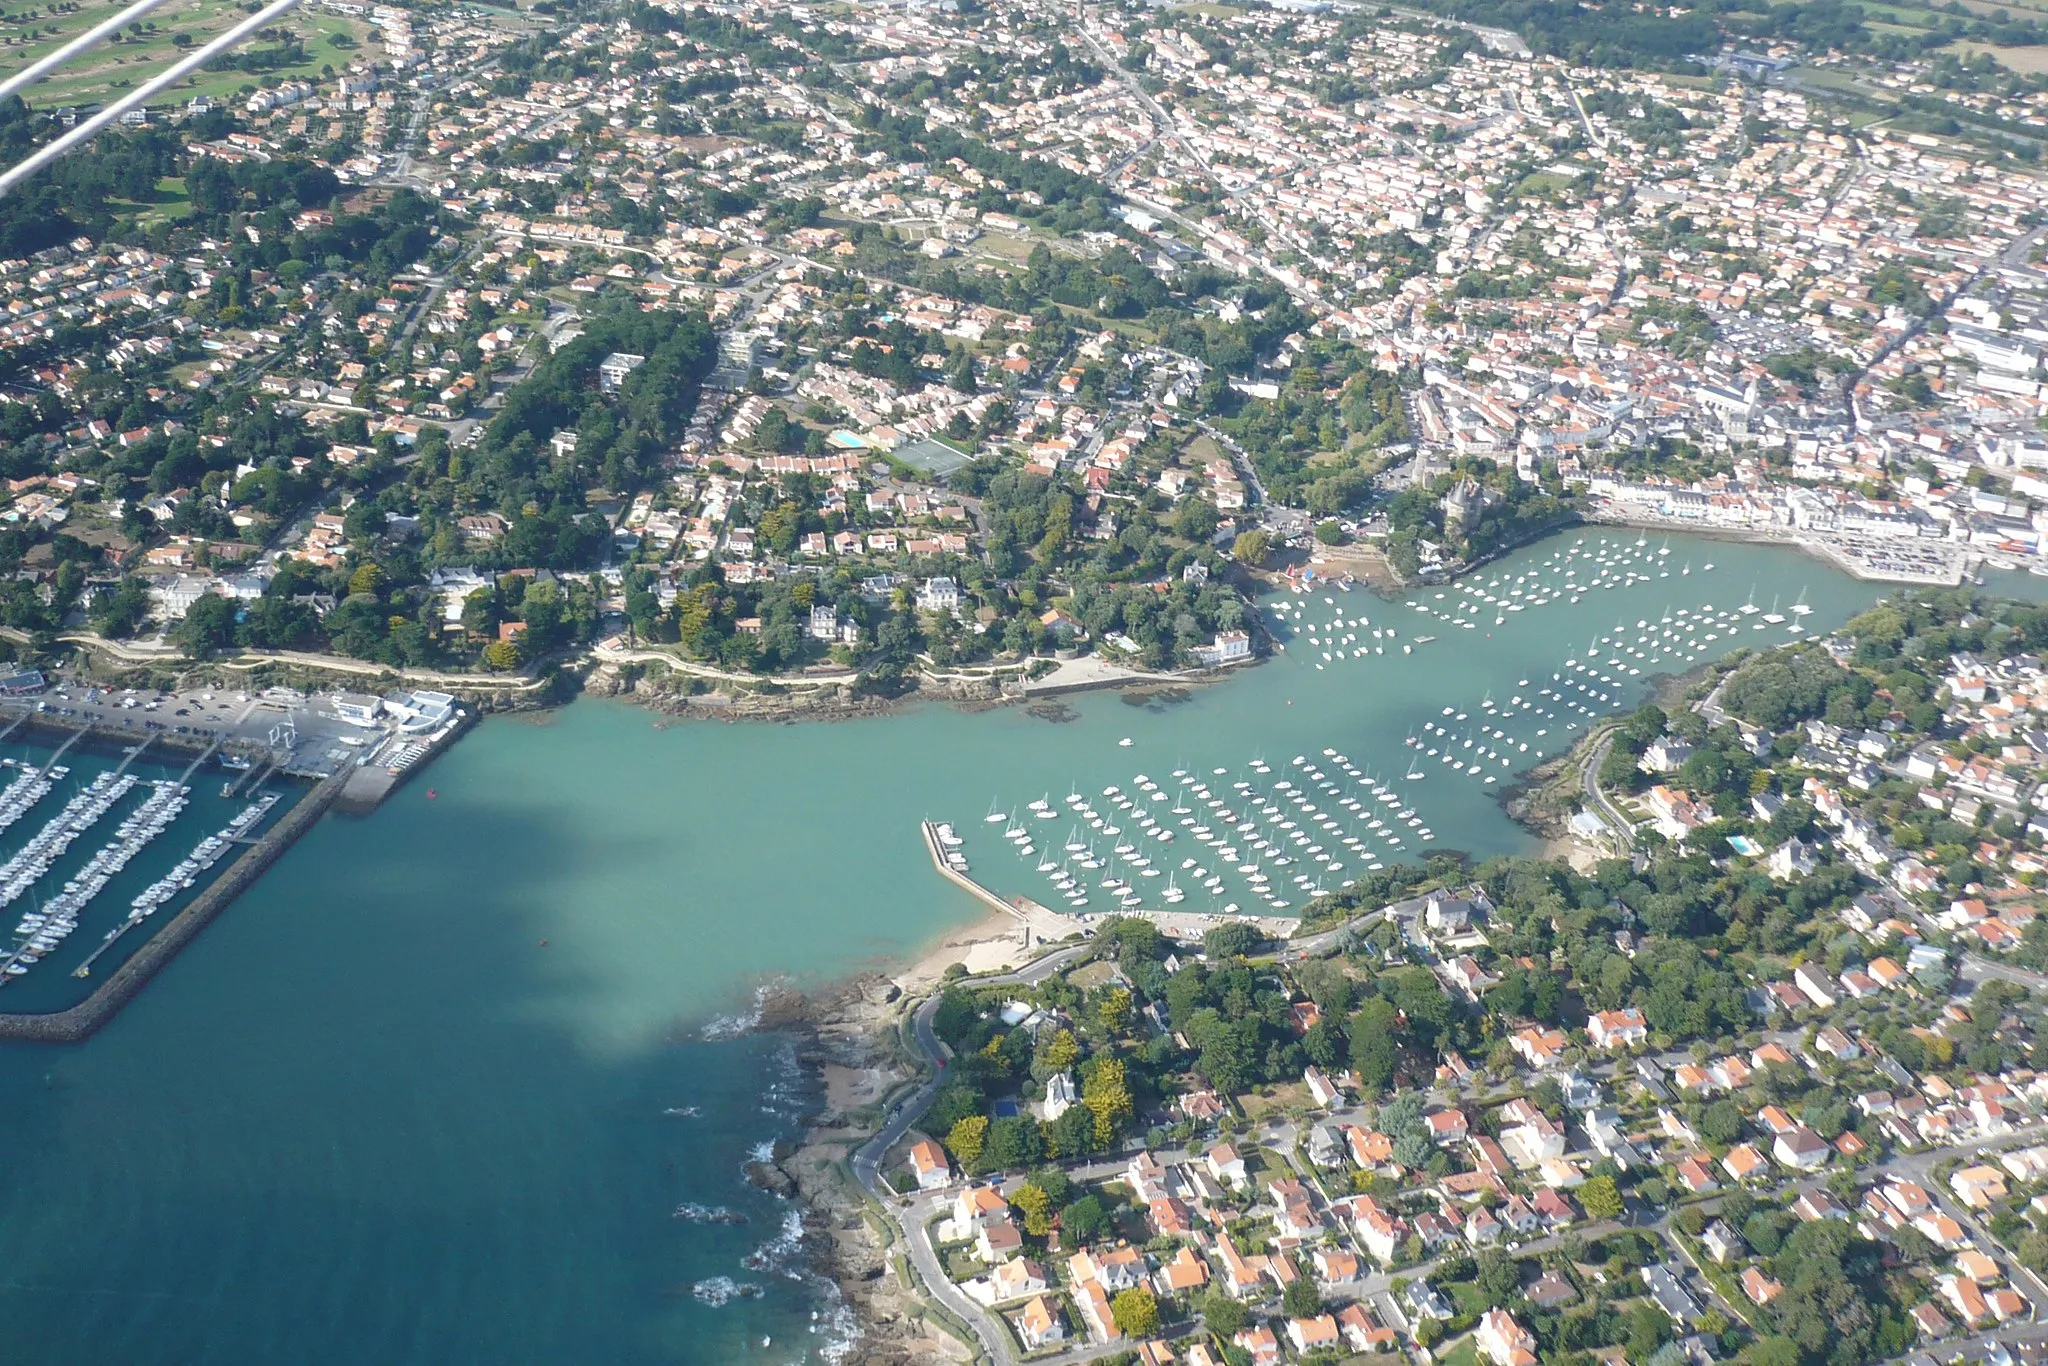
110, 787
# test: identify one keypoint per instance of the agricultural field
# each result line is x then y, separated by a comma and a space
2027, 61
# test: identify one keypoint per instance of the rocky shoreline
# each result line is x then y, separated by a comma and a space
783, 704
844, 1041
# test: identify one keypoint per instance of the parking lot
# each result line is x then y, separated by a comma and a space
318, 740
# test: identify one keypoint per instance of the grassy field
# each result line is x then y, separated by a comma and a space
1543, 182
1469, 1298
100, 75
1466, 1353
1830, 78
2027, 61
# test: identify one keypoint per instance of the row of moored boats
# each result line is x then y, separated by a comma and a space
53, 921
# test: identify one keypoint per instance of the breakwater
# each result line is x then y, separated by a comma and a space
82, 1020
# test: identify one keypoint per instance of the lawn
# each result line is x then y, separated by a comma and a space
171, 201
115, 67
1256, 1105
1466, 1353
1468, 1297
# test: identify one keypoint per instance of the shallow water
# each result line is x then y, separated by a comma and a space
371, 1115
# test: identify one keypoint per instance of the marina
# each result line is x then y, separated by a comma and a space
510, 986
116, 826
1248, 835
83, 879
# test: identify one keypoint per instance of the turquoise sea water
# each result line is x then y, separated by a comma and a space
370, 1116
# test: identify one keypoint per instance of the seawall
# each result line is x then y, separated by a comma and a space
82, 1020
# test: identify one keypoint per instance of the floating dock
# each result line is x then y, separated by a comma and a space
1046, 923
80, 1021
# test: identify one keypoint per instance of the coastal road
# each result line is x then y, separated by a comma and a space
867, 1160
1589, 780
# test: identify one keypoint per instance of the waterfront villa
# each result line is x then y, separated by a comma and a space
928, 1164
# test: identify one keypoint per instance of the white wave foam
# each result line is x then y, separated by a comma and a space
782, 1255
837, 1324
722, 1290
722, 1027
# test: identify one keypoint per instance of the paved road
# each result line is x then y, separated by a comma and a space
912, 1215
1975, 969
1589, 779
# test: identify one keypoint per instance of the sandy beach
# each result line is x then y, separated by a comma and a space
992, 944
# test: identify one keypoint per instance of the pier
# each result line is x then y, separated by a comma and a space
1048, 924
131, 754
74, 738
83, 1019
120, 931
252, 778
185, 778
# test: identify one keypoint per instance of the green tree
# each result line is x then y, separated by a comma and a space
209, 625
967, 1138
1497, 1276
1228, 941
1136, 1312
1224, 1315
1373, 1053
1072, 1134
1195, 520
1085, 1220
1302, 1300
1012, 1143
1721, 1123
1249, 548
960, 371
1601, 1198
